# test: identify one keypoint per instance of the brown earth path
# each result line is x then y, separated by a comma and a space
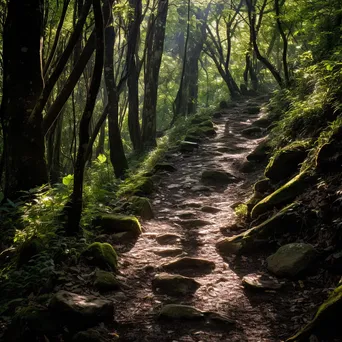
259, 316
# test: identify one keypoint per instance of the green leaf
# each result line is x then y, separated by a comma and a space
67, 180
101, 158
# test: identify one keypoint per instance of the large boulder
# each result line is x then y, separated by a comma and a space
174, 285
81, 310
327, 322
284, 195
253, 132
101, 255
286, 162
217, 177
291, 259
113, 224
286, 221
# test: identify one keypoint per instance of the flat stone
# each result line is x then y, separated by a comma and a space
168, 239
252, 132
190, 266
167, 252
201, 188
180, 312
186, 214
194, 223
164, 167
210, 210
174, 285
216, 176
187, 146
191, 205
261, 281
80, 309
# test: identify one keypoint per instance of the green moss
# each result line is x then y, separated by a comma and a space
252, 239
113, 224
142, 207
106, 281
101, 255
241, 211
286, 161
326, 319
283, 195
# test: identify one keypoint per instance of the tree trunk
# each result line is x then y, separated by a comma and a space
133, 76
154, 56
117, 153
25, 166
74, 209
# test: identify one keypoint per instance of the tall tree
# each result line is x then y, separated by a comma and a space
25, 165
155, 47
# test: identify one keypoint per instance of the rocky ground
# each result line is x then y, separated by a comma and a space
173, 285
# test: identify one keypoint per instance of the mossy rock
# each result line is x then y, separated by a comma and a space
286, 221
260, 153
101, 255
32, 324
263, 186
142, 207
264, 122
145, 186
286, 162
206, 123
284, 195
113, 224
291, 259
29, 249
193, 139
327, 321
106, 281
202, 131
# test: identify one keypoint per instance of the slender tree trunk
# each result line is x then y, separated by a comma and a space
74, 209
253, 32
25, 166
154, 57
133, 76
285, 43
117, 153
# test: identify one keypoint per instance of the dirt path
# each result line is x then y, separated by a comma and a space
180, 197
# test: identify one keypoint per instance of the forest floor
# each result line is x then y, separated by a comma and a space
178, 203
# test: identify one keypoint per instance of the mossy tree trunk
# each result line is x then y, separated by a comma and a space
25, 166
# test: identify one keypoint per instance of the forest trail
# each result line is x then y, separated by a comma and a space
183, 208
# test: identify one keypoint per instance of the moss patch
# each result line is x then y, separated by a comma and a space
113, 224
106, 281
142, 207
252, 239
283, 195
101, 255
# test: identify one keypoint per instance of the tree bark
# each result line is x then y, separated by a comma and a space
25, 166
117, 153
133, 75
154, 56
74, 209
